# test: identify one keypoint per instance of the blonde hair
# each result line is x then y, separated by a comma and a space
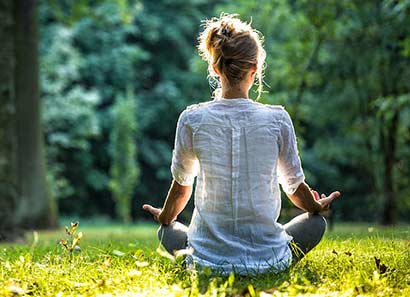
233, 47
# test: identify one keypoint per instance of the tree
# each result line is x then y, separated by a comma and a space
124, 168
36, 209
8, 143
26, 200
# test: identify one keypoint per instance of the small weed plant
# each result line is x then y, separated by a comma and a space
71, 243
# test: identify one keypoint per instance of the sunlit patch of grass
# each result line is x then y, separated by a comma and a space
121, 260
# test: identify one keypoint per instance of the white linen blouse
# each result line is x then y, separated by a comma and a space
239, 150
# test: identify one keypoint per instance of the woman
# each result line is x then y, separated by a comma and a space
240, 150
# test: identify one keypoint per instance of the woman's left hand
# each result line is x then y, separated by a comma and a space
154, 211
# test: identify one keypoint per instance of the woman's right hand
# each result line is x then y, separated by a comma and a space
310, 200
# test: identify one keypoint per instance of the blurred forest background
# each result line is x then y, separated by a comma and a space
91, 92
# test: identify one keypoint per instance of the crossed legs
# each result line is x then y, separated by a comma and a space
306, 229
173, 237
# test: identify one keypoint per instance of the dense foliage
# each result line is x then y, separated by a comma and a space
104, 51
69, 113
341, 68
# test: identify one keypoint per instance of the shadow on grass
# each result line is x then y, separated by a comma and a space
299, 276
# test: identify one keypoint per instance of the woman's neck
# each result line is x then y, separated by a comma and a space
234, 92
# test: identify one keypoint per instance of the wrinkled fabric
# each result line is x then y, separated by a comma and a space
240, 151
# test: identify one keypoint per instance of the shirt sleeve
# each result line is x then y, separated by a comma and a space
185, 164
289, 165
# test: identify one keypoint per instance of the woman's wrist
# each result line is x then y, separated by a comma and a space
317, 207
164, 220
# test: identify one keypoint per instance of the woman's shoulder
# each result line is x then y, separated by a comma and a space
195, 111
276, 115
192, 114
277, 112
197, 106
275, 108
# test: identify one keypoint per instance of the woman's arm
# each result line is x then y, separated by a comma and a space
309, 200
184, 168
175, 203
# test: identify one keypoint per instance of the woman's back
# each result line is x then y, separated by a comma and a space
240, 150
237, 199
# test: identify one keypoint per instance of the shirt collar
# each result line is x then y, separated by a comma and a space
233, 100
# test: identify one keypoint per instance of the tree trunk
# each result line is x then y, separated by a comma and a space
8, 142
389, 158
35, 208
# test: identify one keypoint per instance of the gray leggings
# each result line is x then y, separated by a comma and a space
306, 229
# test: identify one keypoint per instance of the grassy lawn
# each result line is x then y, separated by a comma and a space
122, 261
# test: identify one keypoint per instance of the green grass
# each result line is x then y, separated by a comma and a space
122, 261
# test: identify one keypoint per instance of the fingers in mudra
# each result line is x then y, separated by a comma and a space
326, 200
